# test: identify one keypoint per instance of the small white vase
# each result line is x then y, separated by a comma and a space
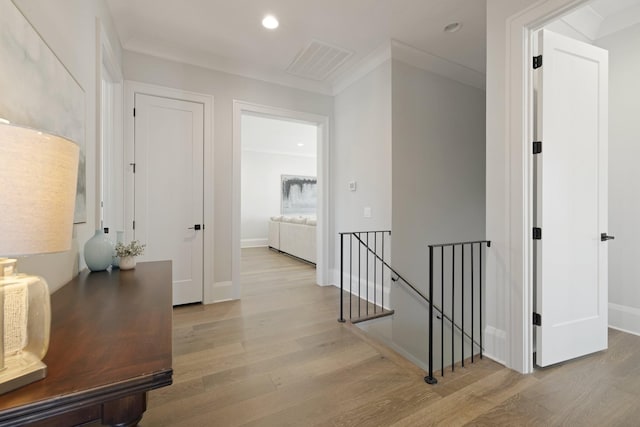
127, 262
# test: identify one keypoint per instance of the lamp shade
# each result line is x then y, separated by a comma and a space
38, 174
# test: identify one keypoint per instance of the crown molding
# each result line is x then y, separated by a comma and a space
436, 64
364, 67
585, 21
388, 50
230, 66
620, 21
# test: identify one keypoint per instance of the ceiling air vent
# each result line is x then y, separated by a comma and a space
318, 60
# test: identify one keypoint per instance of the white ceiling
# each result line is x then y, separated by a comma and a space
227, 34
601, 18
269, 135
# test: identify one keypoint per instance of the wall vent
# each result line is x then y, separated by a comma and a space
318, 60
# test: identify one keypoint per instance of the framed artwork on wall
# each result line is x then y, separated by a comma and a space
299, 194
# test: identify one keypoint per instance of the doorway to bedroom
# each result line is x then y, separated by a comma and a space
279, 197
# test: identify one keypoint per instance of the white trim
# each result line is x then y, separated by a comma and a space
412, 56
368, 64
518, 132
280, 153
585, 21
237, 67
436, 64
105, 57
218, 292
254, 243
620, 21
210, 293
624, 318
495, 339
322, 248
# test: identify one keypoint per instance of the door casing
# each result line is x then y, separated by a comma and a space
322, 256
519, 125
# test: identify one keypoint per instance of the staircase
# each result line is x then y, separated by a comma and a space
453, 298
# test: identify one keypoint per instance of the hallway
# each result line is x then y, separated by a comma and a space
279, 357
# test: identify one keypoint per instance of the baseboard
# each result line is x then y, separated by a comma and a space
624, 318
218, 292
386, 291
495, 341
334, 274
254, 243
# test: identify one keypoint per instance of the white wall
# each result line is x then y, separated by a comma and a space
225, 88
624, 177
261, 190
69, 28
361, 152
438, 183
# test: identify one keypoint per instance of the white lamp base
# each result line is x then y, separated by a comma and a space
19, 370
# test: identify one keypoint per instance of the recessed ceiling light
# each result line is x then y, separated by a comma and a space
270, 22
453, 27
300, 144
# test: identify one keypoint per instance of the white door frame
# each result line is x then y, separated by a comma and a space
130, 89
106, 61
322, 244
519, 129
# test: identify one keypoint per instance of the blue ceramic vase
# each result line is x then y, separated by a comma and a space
98, 252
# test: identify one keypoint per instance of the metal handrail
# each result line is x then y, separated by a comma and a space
357, 235
406, 282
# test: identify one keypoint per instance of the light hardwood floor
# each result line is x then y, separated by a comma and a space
279, 358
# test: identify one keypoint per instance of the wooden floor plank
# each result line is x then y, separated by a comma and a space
278, 357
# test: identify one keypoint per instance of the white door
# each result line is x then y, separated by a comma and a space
571, 259
169, 142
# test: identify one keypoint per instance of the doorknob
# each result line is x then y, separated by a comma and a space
604, 237
195, 227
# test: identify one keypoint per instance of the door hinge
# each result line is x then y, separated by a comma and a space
134, 112
537, 61
537, 233
134, 224
537, 319
134, 167
537, 147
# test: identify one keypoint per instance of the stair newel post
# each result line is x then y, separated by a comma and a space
341, 319
430, 379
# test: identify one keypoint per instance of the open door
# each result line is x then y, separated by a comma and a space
571, 199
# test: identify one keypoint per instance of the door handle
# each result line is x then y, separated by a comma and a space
195, 227
604, 237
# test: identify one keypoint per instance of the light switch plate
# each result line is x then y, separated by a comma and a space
367, 212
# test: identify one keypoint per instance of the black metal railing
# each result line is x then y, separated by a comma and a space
467, 277
366, 274
458, 295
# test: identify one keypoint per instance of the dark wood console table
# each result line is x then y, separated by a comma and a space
110, 345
